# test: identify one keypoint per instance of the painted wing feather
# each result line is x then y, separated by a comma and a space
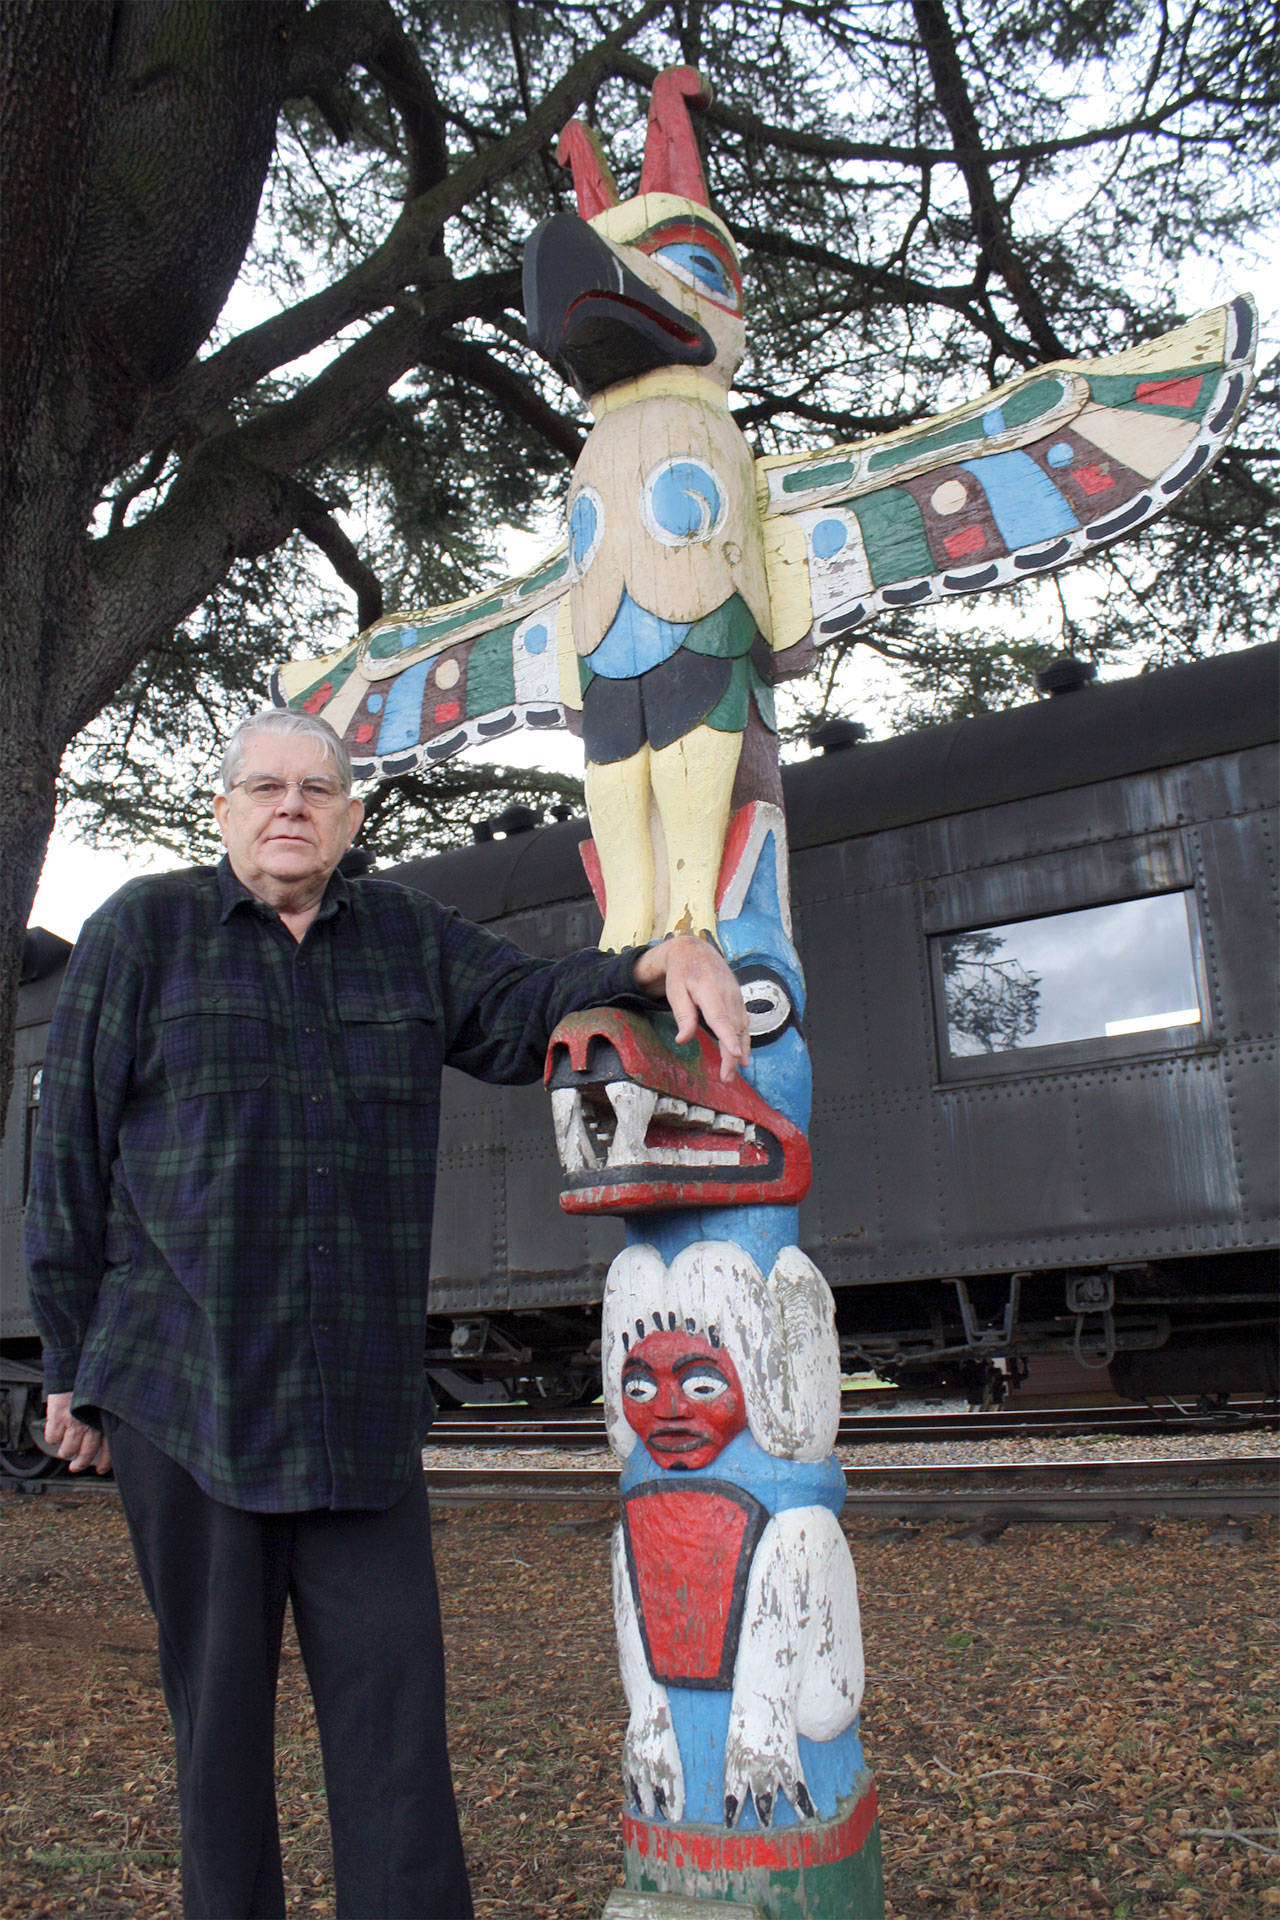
417, 688
1040, 473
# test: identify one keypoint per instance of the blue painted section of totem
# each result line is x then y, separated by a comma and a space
636, 641
702, 1720
779, 1070
1023, 500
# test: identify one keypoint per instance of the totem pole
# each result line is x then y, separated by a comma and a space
694, 577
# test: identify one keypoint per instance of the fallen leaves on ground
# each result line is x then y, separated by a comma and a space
1062, 1725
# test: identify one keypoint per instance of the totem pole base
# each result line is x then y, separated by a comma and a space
815, 1870
625, 1905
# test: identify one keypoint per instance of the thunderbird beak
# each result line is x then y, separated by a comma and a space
593, 319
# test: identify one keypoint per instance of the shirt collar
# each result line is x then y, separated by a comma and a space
233, 893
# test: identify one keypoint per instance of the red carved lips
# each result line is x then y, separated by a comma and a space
643, 1125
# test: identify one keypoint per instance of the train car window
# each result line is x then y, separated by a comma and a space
32, 1115
1102, 975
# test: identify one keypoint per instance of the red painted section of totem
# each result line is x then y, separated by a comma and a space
690, 1553
694, 1078
736, 841
775, 1849
1170, 393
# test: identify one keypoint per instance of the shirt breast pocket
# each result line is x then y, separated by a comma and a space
390, 1041
214, 1042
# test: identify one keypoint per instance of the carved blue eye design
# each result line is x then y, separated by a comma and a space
586, 524
767, 1001
698, 267
683, 502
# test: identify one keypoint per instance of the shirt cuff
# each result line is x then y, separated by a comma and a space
626, 989
60, 1365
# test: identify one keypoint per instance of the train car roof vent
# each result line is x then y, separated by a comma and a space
833, 735
1066, 673
42, 954
512, 820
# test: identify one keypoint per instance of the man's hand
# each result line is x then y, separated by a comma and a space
77, 1444
694, 979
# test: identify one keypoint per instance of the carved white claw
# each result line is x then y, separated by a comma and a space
763, 1773
652, 1773
799, 1667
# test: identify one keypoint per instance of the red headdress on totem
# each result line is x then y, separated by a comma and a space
672, 163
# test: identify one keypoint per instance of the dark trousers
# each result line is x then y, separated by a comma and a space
363, 1591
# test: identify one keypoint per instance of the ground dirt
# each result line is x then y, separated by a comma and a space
1063, 1724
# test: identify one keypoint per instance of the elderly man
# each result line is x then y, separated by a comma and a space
228, 1241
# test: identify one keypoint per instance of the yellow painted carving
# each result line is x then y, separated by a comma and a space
786, 561
691, 782
1202, 341
1149, 443
618, 803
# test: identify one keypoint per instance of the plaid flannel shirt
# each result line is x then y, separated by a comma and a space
230, 1215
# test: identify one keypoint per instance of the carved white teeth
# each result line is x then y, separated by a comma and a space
574, 1144
634, 1107
582, 1130
692, 1156
669, 1108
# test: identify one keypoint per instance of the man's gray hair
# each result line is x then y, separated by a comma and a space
286, 720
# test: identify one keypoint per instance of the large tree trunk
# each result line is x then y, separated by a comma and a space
157, 120
26, 820
135, 138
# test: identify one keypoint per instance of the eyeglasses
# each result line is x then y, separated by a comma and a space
265, 790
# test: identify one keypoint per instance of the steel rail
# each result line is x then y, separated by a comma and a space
1024, 1490
587, 1430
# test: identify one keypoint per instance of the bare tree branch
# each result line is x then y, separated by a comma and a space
316, 523
447, 353
973, 162
900, 288
765, 133
403, 260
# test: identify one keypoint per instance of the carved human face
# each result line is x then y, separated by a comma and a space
683, 1397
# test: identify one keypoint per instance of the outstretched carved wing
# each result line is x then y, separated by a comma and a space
417, 688
1040, 473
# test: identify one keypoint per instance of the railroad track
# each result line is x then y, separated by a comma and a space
1094, 1489
1002, 1494
586, 1429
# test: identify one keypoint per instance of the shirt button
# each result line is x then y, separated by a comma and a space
322, 1173
308, 1029
322, 1247
316, 1098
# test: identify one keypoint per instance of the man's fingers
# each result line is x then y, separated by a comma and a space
684, 1007
57, 1418
80, 1446
696, 980
699, 981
